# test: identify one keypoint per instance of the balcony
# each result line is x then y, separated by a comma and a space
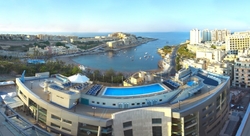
189, 118
190, 124
190, 130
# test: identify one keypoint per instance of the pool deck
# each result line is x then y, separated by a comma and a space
105, 113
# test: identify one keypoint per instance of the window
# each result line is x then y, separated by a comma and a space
132, 104
55, 125
93, 101
157, 131
55, 117
210, 105
143, 102
103, 103
67, 121
203, 109
66, 129
204, 124
128, 132
160, 100
114, 104
138, 103
156, 121
97, 102
127, 124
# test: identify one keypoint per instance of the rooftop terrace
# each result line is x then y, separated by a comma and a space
105, 113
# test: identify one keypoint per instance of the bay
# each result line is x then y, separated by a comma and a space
142, 57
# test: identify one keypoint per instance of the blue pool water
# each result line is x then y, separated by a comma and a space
131, 91
190, 83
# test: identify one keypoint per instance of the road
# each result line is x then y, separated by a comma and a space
171, 71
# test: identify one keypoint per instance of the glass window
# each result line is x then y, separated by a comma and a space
127, 124
156, 121
67, 121
66, 129
157, 131
128, 132
55, 125
55, 117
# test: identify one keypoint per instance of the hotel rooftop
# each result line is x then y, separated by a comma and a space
185, 90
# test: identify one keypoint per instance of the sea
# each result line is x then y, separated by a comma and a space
142, 57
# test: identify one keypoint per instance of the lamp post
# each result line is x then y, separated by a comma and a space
94, 108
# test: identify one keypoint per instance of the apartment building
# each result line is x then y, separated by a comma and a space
195, 36
204, 52
237, 41
219, 35
242, 72
206, 35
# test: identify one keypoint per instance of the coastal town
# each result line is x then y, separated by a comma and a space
38, 46
218, 56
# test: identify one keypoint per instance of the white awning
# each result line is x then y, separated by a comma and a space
78, 78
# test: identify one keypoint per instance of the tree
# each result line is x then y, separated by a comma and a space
213, 46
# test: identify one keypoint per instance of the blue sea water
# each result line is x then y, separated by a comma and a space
132, 59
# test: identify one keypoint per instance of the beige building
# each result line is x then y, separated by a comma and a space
219, 35
241, 72
237, 41
204, 52
138, 78
194, 63
197, 106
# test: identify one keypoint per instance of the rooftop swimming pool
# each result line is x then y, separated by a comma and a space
133, 91
191, 83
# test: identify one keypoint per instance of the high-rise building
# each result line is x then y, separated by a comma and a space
237, 41
206, 35
195, 36
219, 35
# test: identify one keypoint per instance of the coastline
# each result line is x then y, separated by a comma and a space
69, 61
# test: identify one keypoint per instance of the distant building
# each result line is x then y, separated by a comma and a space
195, 36
206, 35
219, 35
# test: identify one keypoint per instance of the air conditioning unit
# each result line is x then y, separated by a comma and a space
193, 133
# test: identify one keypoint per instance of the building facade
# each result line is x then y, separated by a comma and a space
241, 72
237, 41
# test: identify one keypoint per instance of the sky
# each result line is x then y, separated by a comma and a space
123, 15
